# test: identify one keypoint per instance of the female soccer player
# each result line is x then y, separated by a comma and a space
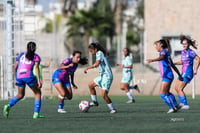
187, 58
104, 80
40, 69
23, 70
61, 79
127, 75
165, 64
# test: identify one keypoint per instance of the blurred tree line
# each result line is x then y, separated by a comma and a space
102, 22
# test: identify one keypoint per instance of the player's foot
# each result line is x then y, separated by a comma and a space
94, 103
185, 107
113, 111
37, 115
61, 111
178, 107
171, 111
131, 101
137, 88
6, 110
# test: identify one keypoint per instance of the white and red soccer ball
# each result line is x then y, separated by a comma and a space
84, 105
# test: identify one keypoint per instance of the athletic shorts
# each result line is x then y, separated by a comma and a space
169, 77
21, 82
56, 79
186, 77
127, 77
104, 82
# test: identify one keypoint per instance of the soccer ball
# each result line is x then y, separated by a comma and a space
84, 106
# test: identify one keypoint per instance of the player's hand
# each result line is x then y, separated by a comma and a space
149, 60
74, 86
195, 72
85, 70
180, 78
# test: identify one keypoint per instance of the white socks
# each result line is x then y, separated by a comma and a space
94, 98
130, 95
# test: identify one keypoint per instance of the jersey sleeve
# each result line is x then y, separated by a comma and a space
18, 57
99, 55
129, 62
66, 62
37, 58
193, 54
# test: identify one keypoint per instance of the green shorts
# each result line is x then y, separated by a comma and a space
127, 78
104, 82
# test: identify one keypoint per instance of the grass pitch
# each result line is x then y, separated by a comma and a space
147, 115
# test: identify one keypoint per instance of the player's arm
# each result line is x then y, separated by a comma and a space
38, 73
15, 69
72, 81
96, 64
156, 59
176, 70
178, 63
62, 66
197, 64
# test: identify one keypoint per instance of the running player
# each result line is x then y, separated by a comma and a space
23, 70
165, 64
187, 59
61, 78
127, 75
104, 80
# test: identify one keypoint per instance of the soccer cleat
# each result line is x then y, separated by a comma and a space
171, 111
178, 107
137, 88
185, 107
61, 111
6, 110
113, 111
37, 115
131, 101
93, 103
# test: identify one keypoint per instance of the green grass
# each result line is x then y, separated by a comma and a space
147, 115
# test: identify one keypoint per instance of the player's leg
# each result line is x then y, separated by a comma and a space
164, 87
13, 101
129, 93
61, 90
182, 96
37, 103
108, 101
92, 86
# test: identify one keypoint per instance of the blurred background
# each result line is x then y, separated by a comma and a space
61, 26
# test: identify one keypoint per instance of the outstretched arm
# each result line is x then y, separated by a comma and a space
156, 59
96, 64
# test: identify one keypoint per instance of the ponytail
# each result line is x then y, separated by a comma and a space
165, 44
31, 47
96, 45
190, 41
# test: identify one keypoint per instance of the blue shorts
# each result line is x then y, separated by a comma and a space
168, 78
21, 82
186, 77
55, 79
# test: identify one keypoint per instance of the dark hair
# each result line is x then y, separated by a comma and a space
82, 61
165, 44
189, 41
31, 47
128, 51
96, 45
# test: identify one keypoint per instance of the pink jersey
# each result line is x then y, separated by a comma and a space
25, 66
68, 71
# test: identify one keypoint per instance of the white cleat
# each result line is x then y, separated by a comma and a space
171, 111
185, 107
61, 111
131, 101
113, 111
